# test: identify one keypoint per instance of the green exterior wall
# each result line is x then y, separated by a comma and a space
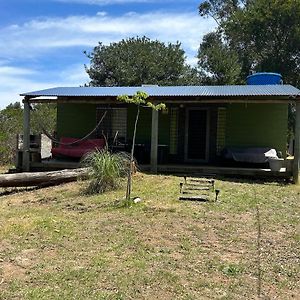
143, 134
257, 125
75, 120
247, 125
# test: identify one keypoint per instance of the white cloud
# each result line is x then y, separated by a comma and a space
14, 81
73, 76
101, 13
14, 71
40, 35
34, 40
192, 61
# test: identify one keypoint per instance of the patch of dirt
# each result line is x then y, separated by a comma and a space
9, 271
167, 234
48, 200
26, 258
4, 245
17, 267
79, 207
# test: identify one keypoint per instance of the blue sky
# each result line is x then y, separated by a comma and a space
42, 41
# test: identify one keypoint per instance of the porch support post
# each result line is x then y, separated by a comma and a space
296, 166
154, 141
26, 136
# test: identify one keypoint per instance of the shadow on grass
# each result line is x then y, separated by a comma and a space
252, 180
233, 178
14, 190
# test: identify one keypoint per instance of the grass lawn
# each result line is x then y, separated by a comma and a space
57, 244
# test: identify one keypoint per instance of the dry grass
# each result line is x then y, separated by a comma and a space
57, 244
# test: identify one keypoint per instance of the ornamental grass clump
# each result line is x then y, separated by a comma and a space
105, 170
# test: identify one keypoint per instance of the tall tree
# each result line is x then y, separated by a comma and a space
219, 63
137, 61
264, 35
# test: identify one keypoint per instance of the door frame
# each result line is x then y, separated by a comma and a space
186, 138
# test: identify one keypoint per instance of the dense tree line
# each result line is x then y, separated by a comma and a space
252, 35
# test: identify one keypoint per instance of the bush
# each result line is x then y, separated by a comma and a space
11, 124
106, 170
11, 121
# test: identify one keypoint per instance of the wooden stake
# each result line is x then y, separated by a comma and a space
296, 165
154, 141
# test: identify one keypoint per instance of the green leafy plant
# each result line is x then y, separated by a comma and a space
140, 98
106, 170
231, 269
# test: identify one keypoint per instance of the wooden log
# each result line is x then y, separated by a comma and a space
26, 137
41, 178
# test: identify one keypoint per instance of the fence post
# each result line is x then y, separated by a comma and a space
26, 136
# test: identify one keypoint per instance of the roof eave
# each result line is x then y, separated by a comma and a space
172, 99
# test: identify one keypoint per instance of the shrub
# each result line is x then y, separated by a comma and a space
231, 269
106, 170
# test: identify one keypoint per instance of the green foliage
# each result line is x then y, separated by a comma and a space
140, 98
269, 32
259, 35
137, 61
11, 121
106, 170
231, 270
190, 76
11, 124
219, 64
43, 116
220, 10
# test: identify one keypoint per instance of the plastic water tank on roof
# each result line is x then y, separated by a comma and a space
264, 78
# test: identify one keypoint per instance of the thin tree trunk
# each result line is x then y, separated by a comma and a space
128, 191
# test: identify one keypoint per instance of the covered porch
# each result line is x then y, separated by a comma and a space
191, 136
180, 169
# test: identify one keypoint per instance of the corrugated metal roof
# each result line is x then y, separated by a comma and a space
169, 91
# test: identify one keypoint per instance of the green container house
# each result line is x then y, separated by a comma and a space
201, 125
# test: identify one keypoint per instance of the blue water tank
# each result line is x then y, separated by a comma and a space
264, 78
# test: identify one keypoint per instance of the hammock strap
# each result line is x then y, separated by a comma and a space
77, 141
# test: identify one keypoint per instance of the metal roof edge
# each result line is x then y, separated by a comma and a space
156, 91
